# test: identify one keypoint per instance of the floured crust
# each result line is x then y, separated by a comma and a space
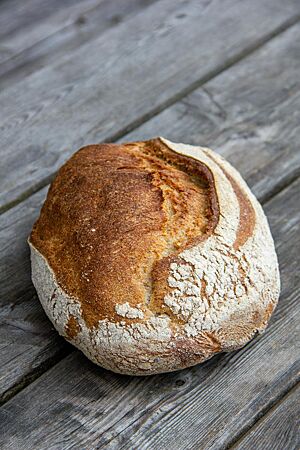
153, 256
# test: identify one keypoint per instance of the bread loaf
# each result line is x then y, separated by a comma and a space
153, 256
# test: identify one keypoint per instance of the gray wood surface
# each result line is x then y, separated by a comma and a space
249, 113
218, 73
39, 32
18, 16
262, 150
28, 342
78, 405
277, 430
116, 81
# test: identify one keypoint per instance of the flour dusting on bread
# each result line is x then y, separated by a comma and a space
153, 256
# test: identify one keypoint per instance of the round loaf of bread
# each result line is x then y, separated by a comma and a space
153, 256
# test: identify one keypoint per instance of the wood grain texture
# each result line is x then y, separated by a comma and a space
78, 405
250, 114
113, 83
45, 31
17, 16
195, 123
29, 343
277, 430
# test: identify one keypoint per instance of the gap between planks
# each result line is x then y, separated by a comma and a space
231, 61
40, 370
244, 433
67, 350
65, 29
285, 397
267, 409
249, 64
280, 187
240, 356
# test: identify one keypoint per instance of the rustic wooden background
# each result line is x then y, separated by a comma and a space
221, 73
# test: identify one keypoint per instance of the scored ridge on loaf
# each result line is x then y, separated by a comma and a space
152, 256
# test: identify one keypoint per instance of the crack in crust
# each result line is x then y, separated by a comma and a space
114, 219
247, 213
153, 256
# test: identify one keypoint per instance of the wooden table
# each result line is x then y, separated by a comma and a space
220, 73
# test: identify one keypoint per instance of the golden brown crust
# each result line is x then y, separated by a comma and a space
72, 327
153, 256
116, 216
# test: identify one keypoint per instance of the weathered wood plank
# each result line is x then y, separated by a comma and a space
193, 123
210, 414
250, 114
277, 430
29, 344
18, 16
47, 37
203, 407
113, 83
